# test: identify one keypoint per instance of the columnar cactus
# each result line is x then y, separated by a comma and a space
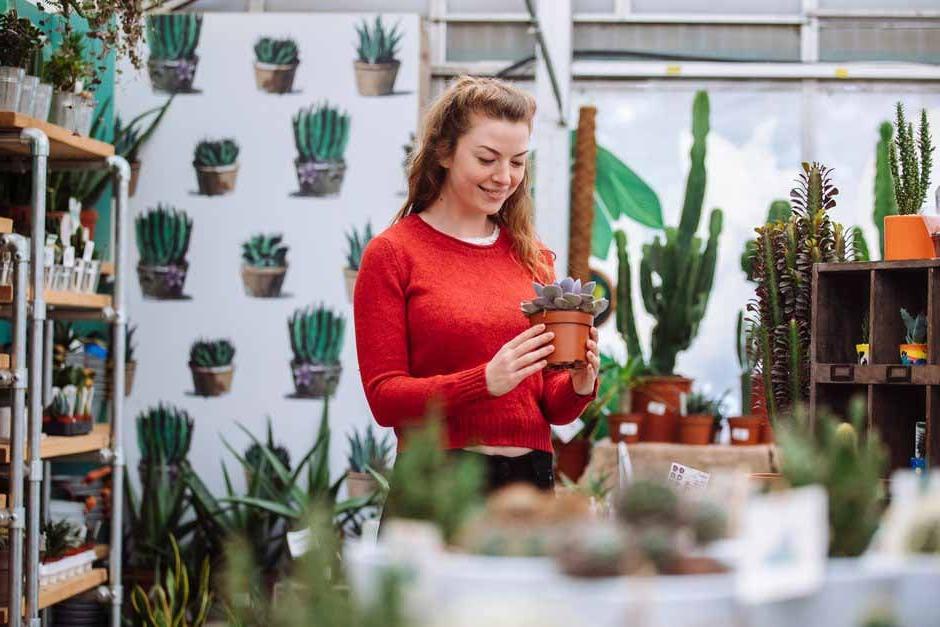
316, 335
321, 133
276, 51
163, 236
214, 153
173, 36
565, 295
910, 170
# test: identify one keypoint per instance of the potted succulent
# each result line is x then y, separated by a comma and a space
376, 67
367, 455
746, 430
276, 62
623, 424
355, 244
70, 72
19, 40
172, 39
863, 349
316, 338
211, 364
702, 413
70, 412
908, 235
914, 352
216, 163
264, 265
320, 134
65, 552
567, 309
163, 241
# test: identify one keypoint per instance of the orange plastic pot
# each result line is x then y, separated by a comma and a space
659, 399
766, 431
696, 429
910, 237
745, 430
572, 330
625, 427
571, 458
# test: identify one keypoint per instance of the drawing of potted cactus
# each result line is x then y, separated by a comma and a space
316, 338
321, 133
163, 241
172, 38
264, 267
276, 62
376, 67
211, 364
355, 245
216, 163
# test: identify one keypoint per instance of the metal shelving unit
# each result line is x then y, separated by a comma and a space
30, 145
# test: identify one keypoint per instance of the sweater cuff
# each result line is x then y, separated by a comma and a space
467, 386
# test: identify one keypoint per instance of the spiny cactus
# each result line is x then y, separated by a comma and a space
211, 353
779, 212
916, 327
885, 202
911, 172
163, 236
355, 244
265, 251
173, 36
276, 51
369, 452
316, 335
164, 434
378, 44
565, 295
214, 153
321, 133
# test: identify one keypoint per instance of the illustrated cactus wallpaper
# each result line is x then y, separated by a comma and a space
260, 192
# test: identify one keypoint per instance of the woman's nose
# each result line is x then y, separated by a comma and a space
502, 174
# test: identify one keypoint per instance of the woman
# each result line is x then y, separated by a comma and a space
438, 292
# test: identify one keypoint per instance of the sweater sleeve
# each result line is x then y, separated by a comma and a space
395, 397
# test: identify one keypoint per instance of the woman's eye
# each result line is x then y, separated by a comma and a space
517, 164
486, 161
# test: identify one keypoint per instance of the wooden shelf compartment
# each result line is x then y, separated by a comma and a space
66, 300
58, 592
63, 143
883, 374
65, 445
837, 331
892, 290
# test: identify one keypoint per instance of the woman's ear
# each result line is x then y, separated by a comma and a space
446, 162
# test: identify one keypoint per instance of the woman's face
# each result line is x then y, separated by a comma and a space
488, 163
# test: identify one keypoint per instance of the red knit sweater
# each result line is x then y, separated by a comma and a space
431, 310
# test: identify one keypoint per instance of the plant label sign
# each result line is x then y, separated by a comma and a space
686, 479
784, 543
566, 433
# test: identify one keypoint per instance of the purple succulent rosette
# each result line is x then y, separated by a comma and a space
566, 295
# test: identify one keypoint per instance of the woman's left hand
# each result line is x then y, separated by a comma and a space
583, 378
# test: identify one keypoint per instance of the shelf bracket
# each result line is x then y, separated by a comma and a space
13, 518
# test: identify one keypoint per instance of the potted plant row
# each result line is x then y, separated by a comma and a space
316, 338
355, 244
21, 46
70, 412
368, 456
211, 364
702, 416
264, 265
163, 240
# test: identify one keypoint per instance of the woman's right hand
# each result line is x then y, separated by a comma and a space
520, 357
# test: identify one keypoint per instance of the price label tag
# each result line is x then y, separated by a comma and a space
740, 434
686, 478
629, 428
656, 408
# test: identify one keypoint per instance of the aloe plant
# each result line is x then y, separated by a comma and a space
211, 353
565, 295
164, 435
173, 36
377, 44
169, 602
316, 335
265, 251
321, 133
368, 452
129, 138
276, 51
911, 161
916, 327
215, 153
355, 244
163, 236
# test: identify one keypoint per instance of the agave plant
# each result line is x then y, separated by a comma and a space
276, 51
355, 244
129, 138
163, 236
378, 44
321, 133
173, 36
916, 327
265, 251
565, 295
164, 435
215, 153
211, 353
316, 335
368, 452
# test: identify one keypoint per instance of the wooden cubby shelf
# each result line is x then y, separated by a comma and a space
57, 592
895, 396
63, 143
65, 445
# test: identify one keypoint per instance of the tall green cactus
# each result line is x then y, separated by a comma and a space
316, 335
911, 162
173, 36
745, 349
163, 236
885, 202
321, 133
683, 269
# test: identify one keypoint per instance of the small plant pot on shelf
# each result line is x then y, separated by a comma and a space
910, 237
216, 180
659, 399
350, 277
863, 351
172, 75
625, 427
263, 282
376, 79
359, 484
745, 430
315, 380
571, 458
572, 330
11, 80
212, 381
162, 282
913, 354
67, 425
320, 178
66, 567
28, 88
696, 429
274, 78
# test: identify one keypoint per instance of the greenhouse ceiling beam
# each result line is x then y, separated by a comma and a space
588, 69
641, 18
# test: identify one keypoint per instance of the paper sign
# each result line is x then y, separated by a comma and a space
298, 542
686, 478
656, 408
629, 428
784, 543
566, 433
740, 434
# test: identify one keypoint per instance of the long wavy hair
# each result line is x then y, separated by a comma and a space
449, 118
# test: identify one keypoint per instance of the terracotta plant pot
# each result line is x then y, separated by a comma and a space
571, 458
864, 354
376, 79
745, 430
359, 484
88, 219
913, 354
571, 329
350, 276
162, 282
625, 427
766, 431
315, 380
216, 180
659, 399
274, 78
212, 381
135, 176
263, 282
696, 429
320, 178
172, 75
910, 237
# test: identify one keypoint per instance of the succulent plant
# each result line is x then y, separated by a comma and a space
648, 501
211, 353
321, 133
59, 537
60, 406
69, 67
378, 44
19, 39
916, 327
355, 245
565, 295
276, 51
173, 36
265, 251
368, 452
701, 403
316, 335
214, 153
164, 435
709, 522
163, 236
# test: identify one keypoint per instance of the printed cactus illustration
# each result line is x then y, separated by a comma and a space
367, 451
377, 44
316, 335
676, 275
355, 244
565, 295
321, 133
911, 161
172, 38
164, 435
265, 251
211, 353
277, 51
215, 153
276, 62
163, 236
